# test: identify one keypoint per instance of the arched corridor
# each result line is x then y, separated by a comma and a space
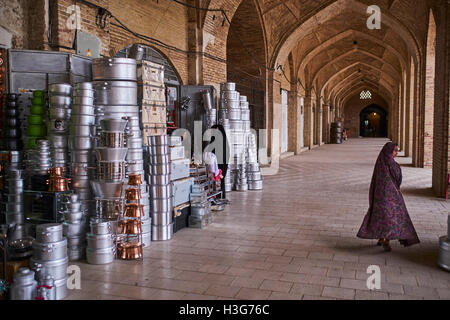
294, 240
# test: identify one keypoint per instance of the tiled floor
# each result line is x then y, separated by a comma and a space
294, 240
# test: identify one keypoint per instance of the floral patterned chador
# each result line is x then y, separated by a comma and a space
387, 217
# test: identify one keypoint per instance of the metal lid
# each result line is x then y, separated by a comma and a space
49, 227
24, 276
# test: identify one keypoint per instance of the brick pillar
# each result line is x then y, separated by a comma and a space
318, 122
409, 115
195, 40
294, 114
309, 121
38, 25
326, 123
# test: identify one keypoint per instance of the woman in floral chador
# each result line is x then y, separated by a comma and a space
387, 217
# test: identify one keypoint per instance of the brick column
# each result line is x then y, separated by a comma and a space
294, 114
309, 121
195, 41
326, 123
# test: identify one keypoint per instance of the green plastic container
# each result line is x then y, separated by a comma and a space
37, 110
35, 119
40, 101
38, 94
35, 130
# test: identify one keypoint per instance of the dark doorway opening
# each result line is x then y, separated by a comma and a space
373, 122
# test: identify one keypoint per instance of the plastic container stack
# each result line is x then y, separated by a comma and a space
161, 190
75, 229
50, 256
36, 128
81, 142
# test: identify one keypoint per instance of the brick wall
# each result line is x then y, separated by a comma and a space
13, 18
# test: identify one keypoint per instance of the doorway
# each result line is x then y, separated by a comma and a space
373, 122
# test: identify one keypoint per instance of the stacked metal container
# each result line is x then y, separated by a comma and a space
161, 190
59, 121
50, 255
101, 248
74, 228
39, 159
444, 249
81, 142
14, 206
24, 287
255, 181
11, 128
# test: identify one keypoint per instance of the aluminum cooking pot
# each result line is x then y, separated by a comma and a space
114, 69
80, 170
157, 169
12, 112
81, 156
100, 241
228, 86
111, 171
112, 139
84, 86
83, 110
135, 166
230, 95
73, 217
159, 179
74, 229
158, 149
117, 112
161, 191
159, 159
50, 251
135, 143
59, 113
135, 155
113, 125
76, 241
100, 256
57, 268
162, 205
82, 131
83, 100
234, 114
59, 141
76, 253
162, 218
12, 122
107, 190
162, 233
229, 104
80, 143
60, 101
88, 93
60, 89
50, 232
99, 226
83, 120
80, 182
111, 154
121, 93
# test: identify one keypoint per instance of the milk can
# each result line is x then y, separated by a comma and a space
24, 286
46, 289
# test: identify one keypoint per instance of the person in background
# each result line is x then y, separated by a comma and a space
387, 218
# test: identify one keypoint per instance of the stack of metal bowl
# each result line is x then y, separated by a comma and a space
39, 159
135, 156
101, 248
50, 255
75, 229
245, 113
59, 122
161, 190
12, 132
255, 181
81, 141
14, 206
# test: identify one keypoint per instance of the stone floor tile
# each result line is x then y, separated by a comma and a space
338, 293
253, 294
274, 285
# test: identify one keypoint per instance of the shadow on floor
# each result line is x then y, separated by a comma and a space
421, 192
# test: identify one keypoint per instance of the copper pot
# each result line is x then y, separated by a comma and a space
129, 251
134, 179
57, 172
133, 210
133, 194
58, 184
130, 227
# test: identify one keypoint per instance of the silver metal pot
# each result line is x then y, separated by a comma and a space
146, 239
135, 166
74, 229
111, 154
255, 185
60, 89
89, 93
80, 143
112, 139
161, 191
15, 198
135, 155
100, 241
159, 159
134, 143
76, 241
83, 109
107, 190
24, 286
59, 113
15, 218
110, 208
50, 232
50, 251
83, 100
59, 155
60, 101
57, 268
113, 125
80, 156
84, 194
146, 225
254, 176
162, 204
102, 256
228, 104
80, 182
236, 125
76, 253
234, 114
159, 179
111, 171
15, 184
73, 217
82, 131
120, 93
157, 169
14, 208
80, 170
162, 149
61, 289
158, 140
58, 141
162, 233
84, 86
162, 218
230, 95
117, 112
245, 114
100, 227
114, 69
228, 86
83, 120
244, 105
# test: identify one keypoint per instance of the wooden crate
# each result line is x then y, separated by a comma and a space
154, 113
154, 93
150, 73
153, 129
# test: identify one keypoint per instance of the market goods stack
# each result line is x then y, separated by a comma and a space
36, 128
81, 142
59, 122
12, 133
444, 249
74, 228
50, 256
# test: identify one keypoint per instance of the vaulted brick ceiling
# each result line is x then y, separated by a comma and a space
320, 36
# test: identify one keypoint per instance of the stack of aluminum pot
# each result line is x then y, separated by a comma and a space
81, 142
255, 181
50, 256
444, 249
101, 247
59, 121
24, 287
39, 159
14, 206
12, 132
161, 192
75, 229
211, 112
